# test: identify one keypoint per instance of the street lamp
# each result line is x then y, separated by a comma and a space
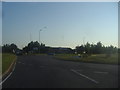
39, 32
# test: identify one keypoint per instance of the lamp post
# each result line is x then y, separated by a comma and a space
39, 32
39, 36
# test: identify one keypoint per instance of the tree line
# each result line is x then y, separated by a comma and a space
98, 48
9, 48
36, 47
32, 46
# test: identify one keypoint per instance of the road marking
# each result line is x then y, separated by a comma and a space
8, 76
21, 62
84, 76
101, 72
5, 78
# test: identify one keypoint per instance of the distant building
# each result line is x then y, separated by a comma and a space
35, 50
60, 50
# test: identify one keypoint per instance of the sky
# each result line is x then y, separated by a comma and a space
61, 0
0, 23
68, 23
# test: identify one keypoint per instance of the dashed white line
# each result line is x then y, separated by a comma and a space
24, 63
84, 76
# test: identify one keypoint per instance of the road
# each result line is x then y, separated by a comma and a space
33, 71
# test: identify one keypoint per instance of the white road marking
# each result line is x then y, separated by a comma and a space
5, 78
21, 62
85, 76
101, 72
8, 75
25, 64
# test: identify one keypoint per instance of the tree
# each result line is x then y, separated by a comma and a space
9, 48
98, 48
87, 48
25, 49
13, 47
80, 49
35, 47
30, 46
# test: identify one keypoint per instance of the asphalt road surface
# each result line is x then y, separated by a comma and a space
46, 72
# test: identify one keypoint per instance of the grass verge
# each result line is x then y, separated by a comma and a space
7, 60
95, 58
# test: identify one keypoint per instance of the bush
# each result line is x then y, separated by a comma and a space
85, 55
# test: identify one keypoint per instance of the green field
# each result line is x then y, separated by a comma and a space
7, 60
94, 58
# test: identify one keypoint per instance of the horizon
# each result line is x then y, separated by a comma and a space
64, 46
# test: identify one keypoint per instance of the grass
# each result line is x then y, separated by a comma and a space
95, 58
39, 54
7, 60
